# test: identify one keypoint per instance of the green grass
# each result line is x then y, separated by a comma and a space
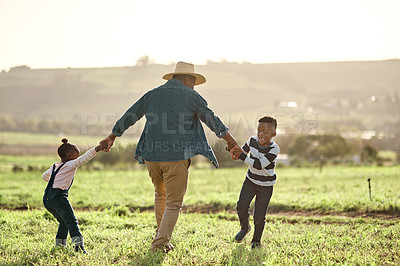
116, 232
7, 162
335, 190
199, 239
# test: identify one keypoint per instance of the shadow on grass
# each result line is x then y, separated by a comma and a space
244, 255
238, 255
149, 258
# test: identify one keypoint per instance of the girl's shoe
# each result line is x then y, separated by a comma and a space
255, 245
242, 233
61, 242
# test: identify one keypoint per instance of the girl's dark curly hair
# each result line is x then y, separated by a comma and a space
66, 148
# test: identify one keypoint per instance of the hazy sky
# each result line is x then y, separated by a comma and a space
97, 33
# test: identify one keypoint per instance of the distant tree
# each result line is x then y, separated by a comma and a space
369, 154
7, 123
396, 96
313, 147
144, 61
120, 156
20, 68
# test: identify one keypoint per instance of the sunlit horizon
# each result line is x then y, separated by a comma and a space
95, 34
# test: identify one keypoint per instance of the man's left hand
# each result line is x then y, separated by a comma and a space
235, 152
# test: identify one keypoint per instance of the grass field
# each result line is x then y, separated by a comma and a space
334, 190
199, 239
314, 218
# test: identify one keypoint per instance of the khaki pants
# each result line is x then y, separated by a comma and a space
170, 181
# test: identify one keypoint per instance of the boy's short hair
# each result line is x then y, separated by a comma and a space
268, 119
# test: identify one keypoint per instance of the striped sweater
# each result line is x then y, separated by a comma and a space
261, 161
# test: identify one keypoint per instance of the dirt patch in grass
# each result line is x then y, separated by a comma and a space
20, 149
303, 213
212, 208
217, 208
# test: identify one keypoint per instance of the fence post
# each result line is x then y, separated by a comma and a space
369, 187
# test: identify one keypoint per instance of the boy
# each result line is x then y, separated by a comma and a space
259, 152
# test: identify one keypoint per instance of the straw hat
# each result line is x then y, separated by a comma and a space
186, 69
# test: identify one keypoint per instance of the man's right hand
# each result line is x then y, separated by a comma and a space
108, 142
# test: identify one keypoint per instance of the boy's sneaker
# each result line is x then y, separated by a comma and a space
78, 243
242, 233
80, 249
255, 245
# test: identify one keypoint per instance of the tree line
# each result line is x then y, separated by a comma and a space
306, 150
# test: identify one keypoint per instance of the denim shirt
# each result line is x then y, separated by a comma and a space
173, 131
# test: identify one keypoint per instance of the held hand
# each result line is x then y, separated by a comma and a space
230, 141
103, 145
107, 143
233, 157
235, 152
230, 145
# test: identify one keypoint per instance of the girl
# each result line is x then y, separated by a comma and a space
60, 177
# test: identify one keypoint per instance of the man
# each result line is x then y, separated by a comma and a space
172, 135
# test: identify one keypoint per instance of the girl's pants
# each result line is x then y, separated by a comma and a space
57, 203
263, 195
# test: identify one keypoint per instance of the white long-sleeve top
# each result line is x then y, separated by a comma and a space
66, 174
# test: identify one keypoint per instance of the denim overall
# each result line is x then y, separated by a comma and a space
56, 202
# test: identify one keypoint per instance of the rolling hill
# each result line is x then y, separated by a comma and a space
340, 91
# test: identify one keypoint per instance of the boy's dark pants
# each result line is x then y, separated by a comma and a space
57, 203
263, 195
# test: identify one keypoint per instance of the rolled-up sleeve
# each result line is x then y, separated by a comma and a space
131, 116
46, 175
208, 117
